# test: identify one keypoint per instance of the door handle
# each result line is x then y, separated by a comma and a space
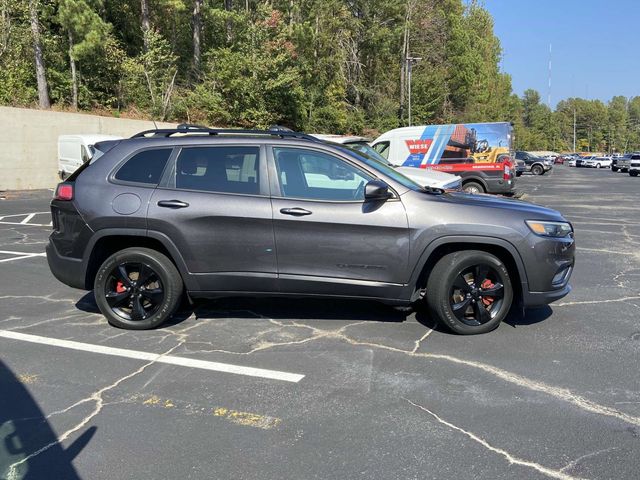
172, 204
296, 212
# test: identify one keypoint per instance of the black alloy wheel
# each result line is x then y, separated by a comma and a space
134, 291
138, 288
469, 291
476, 295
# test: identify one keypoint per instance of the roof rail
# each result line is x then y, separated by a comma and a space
187, 128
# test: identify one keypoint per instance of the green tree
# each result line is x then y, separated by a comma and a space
86, 32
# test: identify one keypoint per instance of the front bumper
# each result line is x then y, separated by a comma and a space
536, 299
550, 262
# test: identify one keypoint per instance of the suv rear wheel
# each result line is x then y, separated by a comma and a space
469, 291
138, 288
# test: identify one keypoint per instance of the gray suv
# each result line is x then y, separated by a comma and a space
214, 213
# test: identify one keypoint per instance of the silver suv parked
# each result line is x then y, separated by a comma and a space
213, 213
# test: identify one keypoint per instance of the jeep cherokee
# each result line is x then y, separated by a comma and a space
212, 213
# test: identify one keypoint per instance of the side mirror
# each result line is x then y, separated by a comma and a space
376, 190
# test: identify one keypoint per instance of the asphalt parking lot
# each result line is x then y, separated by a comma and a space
300, 389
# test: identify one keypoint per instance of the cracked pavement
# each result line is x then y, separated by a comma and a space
386, 394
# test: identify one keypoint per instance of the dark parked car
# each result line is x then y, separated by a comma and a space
623, 163
535, 165
521, 167
215, 213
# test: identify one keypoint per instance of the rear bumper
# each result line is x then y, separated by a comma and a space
70, 271
495, 185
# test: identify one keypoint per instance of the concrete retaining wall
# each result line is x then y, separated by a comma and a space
29, 142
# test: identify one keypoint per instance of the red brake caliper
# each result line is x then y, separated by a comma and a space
120, 287
486, 285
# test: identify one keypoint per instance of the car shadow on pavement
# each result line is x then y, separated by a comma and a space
530, 316
24, 430
285, 308
298, 309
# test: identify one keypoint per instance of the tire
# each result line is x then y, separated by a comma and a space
473, 187
633, 173
456, 270
133, 306
537, 170
598, 165
518, 174
614, 169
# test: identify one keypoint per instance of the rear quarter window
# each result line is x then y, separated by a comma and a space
144, 167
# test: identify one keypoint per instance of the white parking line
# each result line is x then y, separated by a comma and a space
25, 221
158, 358
20, 255
28, 217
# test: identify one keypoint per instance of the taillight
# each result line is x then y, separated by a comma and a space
64, 191
506, 174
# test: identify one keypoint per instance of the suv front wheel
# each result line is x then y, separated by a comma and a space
470, 291
138, 288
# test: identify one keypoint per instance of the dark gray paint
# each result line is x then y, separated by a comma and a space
233, 244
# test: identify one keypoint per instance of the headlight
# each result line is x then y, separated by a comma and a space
549, 229
455, 185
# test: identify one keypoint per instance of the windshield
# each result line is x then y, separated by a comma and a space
382, 166
369, 151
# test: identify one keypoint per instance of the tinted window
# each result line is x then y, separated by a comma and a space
219, 169
145, 167
318, 176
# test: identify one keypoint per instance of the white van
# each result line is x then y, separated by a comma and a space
74, 150
428, 145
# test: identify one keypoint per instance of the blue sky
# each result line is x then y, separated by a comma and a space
595, 46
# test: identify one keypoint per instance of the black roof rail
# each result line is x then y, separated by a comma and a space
185, 128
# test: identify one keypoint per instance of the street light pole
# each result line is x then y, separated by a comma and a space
410, 62
574, 130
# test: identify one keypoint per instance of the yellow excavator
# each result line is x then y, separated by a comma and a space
483, 153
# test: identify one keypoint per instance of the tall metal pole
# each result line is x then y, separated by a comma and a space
409, 91
574, 130
549, 87
410, 62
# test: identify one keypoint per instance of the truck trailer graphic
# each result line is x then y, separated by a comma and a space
463, 142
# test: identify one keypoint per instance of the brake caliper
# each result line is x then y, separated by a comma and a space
120, 287
487, 284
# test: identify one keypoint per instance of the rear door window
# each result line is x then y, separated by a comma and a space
219, 169
145, 167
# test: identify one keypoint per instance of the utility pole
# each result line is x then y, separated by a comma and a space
411, 61
574, 130
549, 91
